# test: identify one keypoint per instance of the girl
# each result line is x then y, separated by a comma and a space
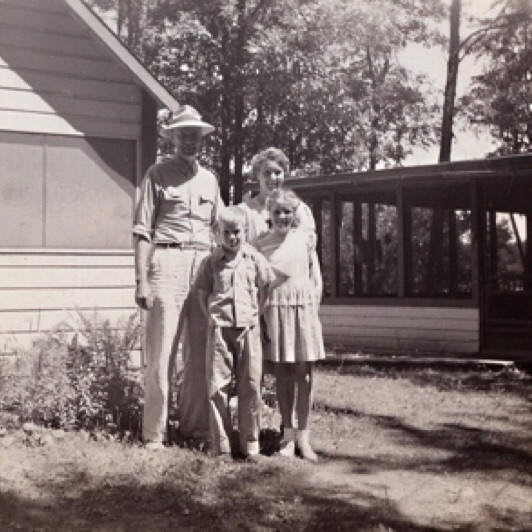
293, 328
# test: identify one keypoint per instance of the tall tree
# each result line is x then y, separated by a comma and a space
453, 63
501, 97
396, 106
201, 50
479, 41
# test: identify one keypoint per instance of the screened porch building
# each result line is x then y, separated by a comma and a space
428, 259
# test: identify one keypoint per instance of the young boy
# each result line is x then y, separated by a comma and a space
233, 283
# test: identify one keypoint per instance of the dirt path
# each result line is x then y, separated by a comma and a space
419, 450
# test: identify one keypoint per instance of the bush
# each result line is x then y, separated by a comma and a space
78, 381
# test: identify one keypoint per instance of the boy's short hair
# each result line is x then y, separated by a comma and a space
288, 197
233, 214
269, 154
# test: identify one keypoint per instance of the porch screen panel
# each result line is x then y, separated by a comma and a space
439, 252
21, 190
346, 243
367, 246
381, 248
326, 248
90, 188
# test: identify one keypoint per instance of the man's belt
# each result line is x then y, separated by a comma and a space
196, 246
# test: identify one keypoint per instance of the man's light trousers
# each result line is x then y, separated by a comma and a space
172, 272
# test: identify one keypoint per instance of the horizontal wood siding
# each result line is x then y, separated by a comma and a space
60, 258
28, 122
40, 290
43, 82
56, 77
401, 329
16, 99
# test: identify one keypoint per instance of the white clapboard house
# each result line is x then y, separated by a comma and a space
78, 127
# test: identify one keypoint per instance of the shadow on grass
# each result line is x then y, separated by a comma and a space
243, 497
159, 507
334, 510
506, 520
466, 448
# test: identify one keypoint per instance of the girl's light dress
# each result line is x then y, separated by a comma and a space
291, 313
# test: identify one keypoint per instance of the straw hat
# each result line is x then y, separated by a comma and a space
186, 116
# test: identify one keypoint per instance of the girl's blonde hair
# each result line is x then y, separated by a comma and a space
285, 197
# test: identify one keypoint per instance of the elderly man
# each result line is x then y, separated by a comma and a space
178, 206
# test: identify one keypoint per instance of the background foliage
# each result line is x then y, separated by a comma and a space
323, 80
319, 78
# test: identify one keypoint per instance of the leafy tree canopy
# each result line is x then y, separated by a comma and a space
320, 79
499, 98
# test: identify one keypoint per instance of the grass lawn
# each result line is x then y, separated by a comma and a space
400, 449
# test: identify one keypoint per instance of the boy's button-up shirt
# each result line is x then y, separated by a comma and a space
233, 283
179, 202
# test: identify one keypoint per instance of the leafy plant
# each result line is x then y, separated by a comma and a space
78, 381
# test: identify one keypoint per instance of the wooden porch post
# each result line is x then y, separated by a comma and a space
318, 218
358, 247
528, 262
478, 240
453, 254
403, 242
335, 252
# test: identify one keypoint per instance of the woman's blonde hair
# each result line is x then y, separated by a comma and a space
269, 154
285, 197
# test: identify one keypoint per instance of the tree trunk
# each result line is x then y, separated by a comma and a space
225, 148
226, 124
450, 85
373, 145
436, 270
239, 101
239, 148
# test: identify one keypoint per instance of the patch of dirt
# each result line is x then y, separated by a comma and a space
400, 449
